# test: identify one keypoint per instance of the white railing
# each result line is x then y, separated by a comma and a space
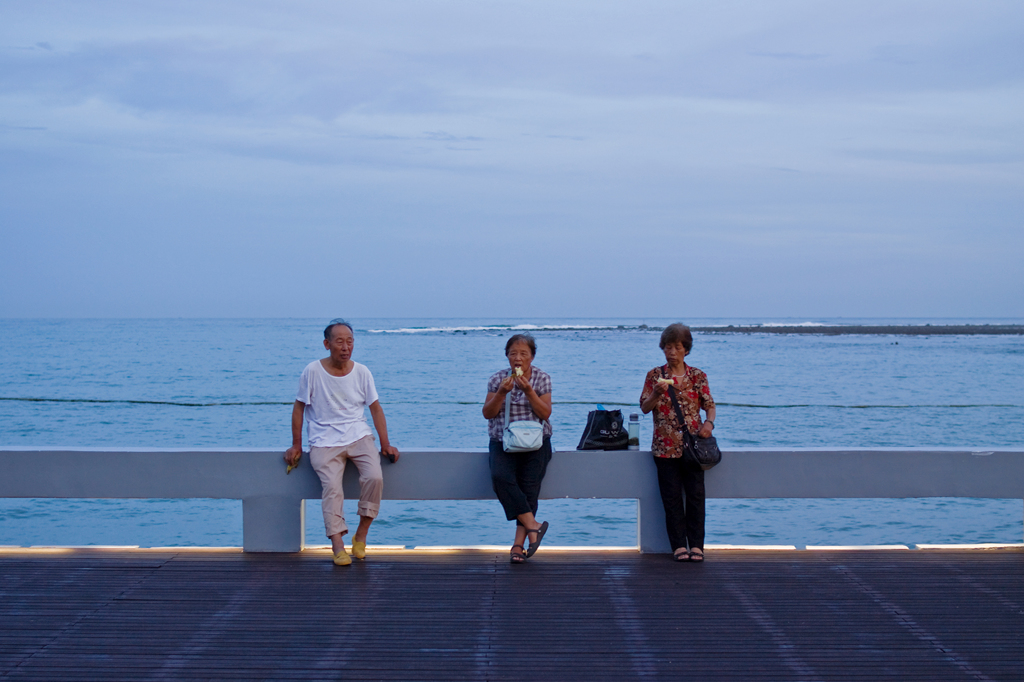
273, 511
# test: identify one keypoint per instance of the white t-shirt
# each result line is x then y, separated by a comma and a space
334, 405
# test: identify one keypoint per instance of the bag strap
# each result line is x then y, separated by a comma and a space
689, 442
679, 410
508, 404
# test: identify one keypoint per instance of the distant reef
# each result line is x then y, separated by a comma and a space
901, 329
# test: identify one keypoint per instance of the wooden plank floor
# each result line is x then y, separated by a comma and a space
743, 615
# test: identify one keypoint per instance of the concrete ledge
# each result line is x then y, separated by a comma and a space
273, 512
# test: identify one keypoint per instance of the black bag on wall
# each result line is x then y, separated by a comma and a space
605, 431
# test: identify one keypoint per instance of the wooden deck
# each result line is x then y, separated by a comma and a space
744, 615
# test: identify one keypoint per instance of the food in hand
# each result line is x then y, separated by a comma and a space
665, 381
290, 467
518, 371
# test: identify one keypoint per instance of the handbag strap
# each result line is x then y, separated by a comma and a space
508, 404
679, 410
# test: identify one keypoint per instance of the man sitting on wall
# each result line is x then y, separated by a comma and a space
333, 393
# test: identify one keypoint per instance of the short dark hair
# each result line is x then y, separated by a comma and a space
521, 338
333, 323
677, 332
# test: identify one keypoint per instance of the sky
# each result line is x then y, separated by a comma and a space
511, 159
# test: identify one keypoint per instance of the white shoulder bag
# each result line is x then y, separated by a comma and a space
521, 436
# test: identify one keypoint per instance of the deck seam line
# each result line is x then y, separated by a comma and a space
57, 636
212, 626
644, 664
988, 591
785, 647
346, 642
485, 638
905, 620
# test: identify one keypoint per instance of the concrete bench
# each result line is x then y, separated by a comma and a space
273, 512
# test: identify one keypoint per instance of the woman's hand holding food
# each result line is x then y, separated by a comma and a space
493, 402
506, 385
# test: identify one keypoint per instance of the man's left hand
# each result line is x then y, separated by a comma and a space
390, 450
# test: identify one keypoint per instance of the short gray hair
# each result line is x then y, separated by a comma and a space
332, 323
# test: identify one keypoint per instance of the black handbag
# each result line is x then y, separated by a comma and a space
701, 452
604, 431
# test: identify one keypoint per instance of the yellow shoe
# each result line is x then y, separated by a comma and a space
342, 558
358, 549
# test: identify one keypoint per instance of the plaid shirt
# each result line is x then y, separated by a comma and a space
520, 409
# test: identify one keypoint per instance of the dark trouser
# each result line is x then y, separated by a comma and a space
684, 520
516, 477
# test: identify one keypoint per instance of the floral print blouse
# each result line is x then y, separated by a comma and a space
668, 438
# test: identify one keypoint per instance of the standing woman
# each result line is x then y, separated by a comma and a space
688, 386
517, 476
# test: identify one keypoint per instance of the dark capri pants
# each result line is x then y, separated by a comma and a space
516, 477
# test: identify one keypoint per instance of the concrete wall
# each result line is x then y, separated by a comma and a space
273, 510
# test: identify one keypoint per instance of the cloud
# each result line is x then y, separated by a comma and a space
244, 146
790, 55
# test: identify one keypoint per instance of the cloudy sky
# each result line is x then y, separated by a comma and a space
520, 159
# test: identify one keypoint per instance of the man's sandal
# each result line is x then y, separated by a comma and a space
540, 536
681, 554
341, 558
697, 555
517, 556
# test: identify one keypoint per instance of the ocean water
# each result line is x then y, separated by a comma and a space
230, 383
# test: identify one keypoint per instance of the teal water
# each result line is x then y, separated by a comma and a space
230, 383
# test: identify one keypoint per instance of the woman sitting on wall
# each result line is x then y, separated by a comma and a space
517, 476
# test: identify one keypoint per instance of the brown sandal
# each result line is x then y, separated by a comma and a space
517, 557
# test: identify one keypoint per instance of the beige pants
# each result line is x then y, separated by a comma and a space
329, 465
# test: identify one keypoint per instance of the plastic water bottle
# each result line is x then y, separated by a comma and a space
634, 432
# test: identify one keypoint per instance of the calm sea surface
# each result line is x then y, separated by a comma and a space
230, 383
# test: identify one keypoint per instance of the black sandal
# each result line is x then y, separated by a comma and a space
517, 557
681, 555
540, 536
697, 555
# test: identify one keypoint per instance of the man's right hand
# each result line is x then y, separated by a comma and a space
292, 455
